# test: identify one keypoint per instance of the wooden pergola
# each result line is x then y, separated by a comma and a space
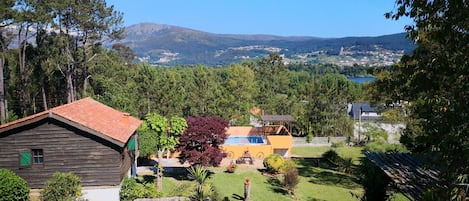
279, 119
406, 171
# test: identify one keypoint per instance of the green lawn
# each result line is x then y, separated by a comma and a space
315, 152
323, 183
316, 183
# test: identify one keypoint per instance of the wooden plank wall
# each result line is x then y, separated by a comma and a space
66, 149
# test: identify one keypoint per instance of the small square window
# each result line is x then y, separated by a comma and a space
38, 156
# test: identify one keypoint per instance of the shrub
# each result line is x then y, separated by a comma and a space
131, 190
331, 156
383, 147
290, 177
203, 188
345, 165
62, 186
309, 136
231, 168
273, 163
12, 187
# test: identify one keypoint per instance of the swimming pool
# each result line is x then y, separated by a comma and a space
243, 140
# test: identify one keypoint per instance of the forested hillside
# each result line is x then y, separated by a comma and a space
173, 45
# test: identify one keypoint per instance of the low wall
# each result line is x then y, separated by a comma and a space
110, 193
299, 141
256, 151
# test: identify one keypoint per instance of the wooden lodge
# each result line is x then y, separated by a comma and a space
85, 137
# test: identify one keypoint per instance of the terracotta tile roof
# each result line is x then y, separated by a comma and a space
103, 120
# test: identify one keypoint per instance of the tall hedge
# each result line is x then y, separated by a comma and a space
12, 187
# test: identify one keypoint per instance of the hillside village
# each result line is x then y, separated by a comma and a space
347, 56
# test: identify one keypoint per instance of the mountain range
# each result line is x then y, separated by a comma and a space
172, 45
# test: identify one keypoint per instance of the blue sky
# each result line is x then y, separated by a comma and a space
320, 18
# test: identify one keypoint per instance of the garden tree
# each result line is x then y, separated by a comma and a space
200, 143
170, 92
158, 135
297, 108
6, 18
272, 76
298, 82
326, 102
24, 18
202, 91
380, 91
434, 79
113, 82
94, 20
240, 89
45, 59
81, 24
147, 79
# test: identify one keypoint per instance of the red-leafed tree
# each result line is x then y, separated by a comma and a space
200, 142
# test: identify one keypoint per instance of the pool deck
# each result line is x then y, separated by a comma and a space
148, 170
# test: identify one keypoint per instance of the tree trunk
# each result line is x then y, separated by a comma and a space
159, 172
22, 64
70, 94
44, 98
85, 65
3, 108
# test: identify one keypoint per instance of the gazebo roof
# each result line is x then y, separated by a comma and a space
406, 171
277, 118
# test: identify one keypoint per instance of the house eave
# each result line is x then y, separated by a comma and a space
21, 123
86, 129
45, 115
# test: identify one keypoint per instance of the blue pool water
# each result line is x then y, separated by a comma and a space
242, 140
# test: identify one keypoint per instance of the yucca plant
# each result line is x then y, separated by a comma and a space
203, 188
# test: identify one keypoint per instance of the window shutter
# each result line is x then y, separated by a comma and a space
25, 158
131, 144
